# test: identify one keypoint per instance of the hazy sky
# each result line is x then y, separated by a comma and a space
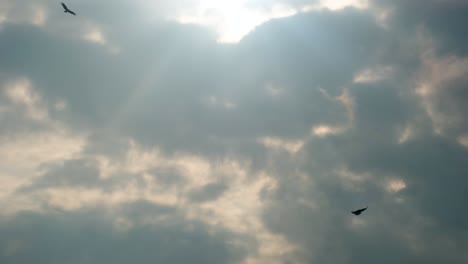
222, 131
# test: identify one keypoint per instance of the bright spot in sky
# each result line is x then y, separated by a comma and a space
232, 19
340, 4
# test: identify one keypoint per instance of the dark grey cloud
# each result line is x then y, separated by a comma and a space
169, 67
209, 192
423, 222
72, 173
444, 19
87, 237
173, 88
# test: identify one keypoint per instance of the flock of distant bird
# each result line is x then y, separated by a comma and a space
67, 10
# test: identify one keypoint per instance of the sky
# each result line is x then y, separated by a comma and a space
240, 132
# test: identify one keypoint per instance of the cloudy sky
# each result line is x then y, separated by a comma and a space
234, 131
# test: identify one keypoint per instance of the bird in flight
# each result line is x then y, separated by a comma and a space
358, 212
67, 10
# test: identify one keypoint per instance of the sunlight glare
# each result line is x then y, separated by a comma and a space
232, 19
340, 4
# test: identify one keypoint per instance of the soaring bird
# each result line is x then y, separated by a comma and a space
358, 212
67, 10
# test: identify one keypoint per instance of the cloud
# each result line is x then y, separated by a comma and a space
20, 93
30, 141
232, 20
373, 75
24, 12
276, 143
441, 91
129, 136
90, 238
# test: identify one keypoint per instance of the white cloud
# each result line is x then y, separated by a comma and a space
383, 16
238, 209
95, 36
336, 5
30, 150
340, 4
395, 185
3, 18
375, 74
405, 135
345, 99
348, 102
291, 146
40, 17
435, 76
463, 140
20, 92
33, 13
351, 180
345, 173
24, 153
325, 130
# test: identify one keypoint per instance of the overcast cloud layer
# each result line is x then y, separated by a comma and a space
244, 132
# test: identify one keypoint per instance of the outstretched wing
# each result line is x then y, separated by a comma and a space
68, 10
359, 211
64, 7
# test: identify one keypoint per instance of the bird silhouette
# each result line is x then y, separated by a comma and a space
67, 10
359, 211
